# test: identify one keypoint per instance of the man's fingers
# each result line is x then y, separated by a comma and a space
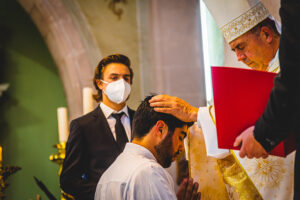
257, 155
164, 110
198, 196
158, 98
195, 191
249, 146
182, 189
238, 141
183, 184
261, 153
189, 189
265, 155
161, 104
250, 156
242, 152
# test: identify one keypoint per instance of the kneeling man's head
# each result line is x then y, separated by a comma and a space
161, 133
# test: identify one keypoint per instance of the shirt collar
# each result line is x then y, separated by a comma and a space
107, 111
274, 64
132, 148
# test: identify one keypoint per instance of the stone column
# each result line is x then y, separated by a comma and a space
171, 57
170, 49
67, 46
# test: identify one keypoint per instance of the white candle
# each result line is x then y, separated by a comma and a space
88, 103
63, 124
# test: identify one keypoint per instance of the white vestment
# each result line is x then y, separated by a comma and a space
135, 175
273, 177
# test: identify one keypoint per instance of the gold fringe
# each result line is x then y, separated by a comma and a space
236, 177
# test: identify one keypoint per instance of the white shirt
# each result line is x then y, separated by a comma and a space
107, 111
135, 175
274, 64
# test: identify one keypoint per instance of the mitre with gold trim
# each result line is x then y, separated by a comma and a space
236, 17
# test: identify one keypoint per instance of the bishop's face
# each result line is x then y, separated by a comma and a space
251, 49
171, 146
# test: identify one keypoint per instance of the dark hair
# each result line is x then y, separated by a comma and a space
116, 58
266, 22
145, 118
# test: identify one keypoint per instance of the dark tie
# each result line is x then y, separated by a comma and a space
120, 131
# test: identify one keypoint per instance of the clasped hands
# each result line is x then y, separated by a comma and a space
188, 190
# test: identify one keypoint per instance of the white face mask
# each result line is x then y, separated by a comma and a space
117, 91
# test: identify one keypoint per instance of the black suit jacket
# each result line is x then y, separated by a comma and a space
282, 114
90, 150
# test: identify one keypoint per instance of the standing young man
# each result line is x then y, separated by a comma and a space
97, 138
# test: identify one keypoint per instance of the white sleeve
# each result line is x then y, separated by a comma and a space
205, 122
112, 190
151, 183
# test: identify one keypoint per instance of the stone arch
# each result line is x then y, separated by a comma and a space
70, 42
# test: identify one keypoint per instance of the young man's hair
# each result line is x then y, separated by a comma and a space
145, 118
268, 23
116, 58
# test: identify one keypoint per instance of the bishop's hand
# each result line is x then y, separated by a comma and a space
174, 106
249, 146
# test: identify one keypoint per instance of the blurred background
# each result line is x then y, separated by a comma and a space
50, 48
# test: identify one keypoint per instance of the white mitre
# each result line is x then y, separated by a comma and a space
236, 17
273, 7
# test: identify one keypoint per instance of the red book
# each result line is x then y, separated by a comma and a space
240, 98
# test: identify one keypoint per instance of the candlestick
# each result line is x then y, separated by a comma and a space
60, 156
59, 159
88, 103
63, 127
5, 172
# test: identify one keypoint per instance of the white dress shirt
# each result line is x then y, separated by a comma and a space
135, 175
107, 111
274, 64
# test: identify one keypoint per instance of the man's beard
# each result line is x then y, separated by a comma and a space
164, 151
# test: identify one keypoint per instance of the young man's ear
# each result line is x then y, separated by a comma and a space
160, 127
267, 34
99, 84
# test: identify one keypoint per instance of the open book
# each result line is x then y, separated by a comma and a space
240, 98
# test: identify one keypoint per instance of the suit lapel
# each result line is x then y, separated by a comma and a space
103, 125
131, 114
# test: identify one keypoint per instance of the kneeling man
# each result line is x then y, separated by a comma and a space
138, 172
